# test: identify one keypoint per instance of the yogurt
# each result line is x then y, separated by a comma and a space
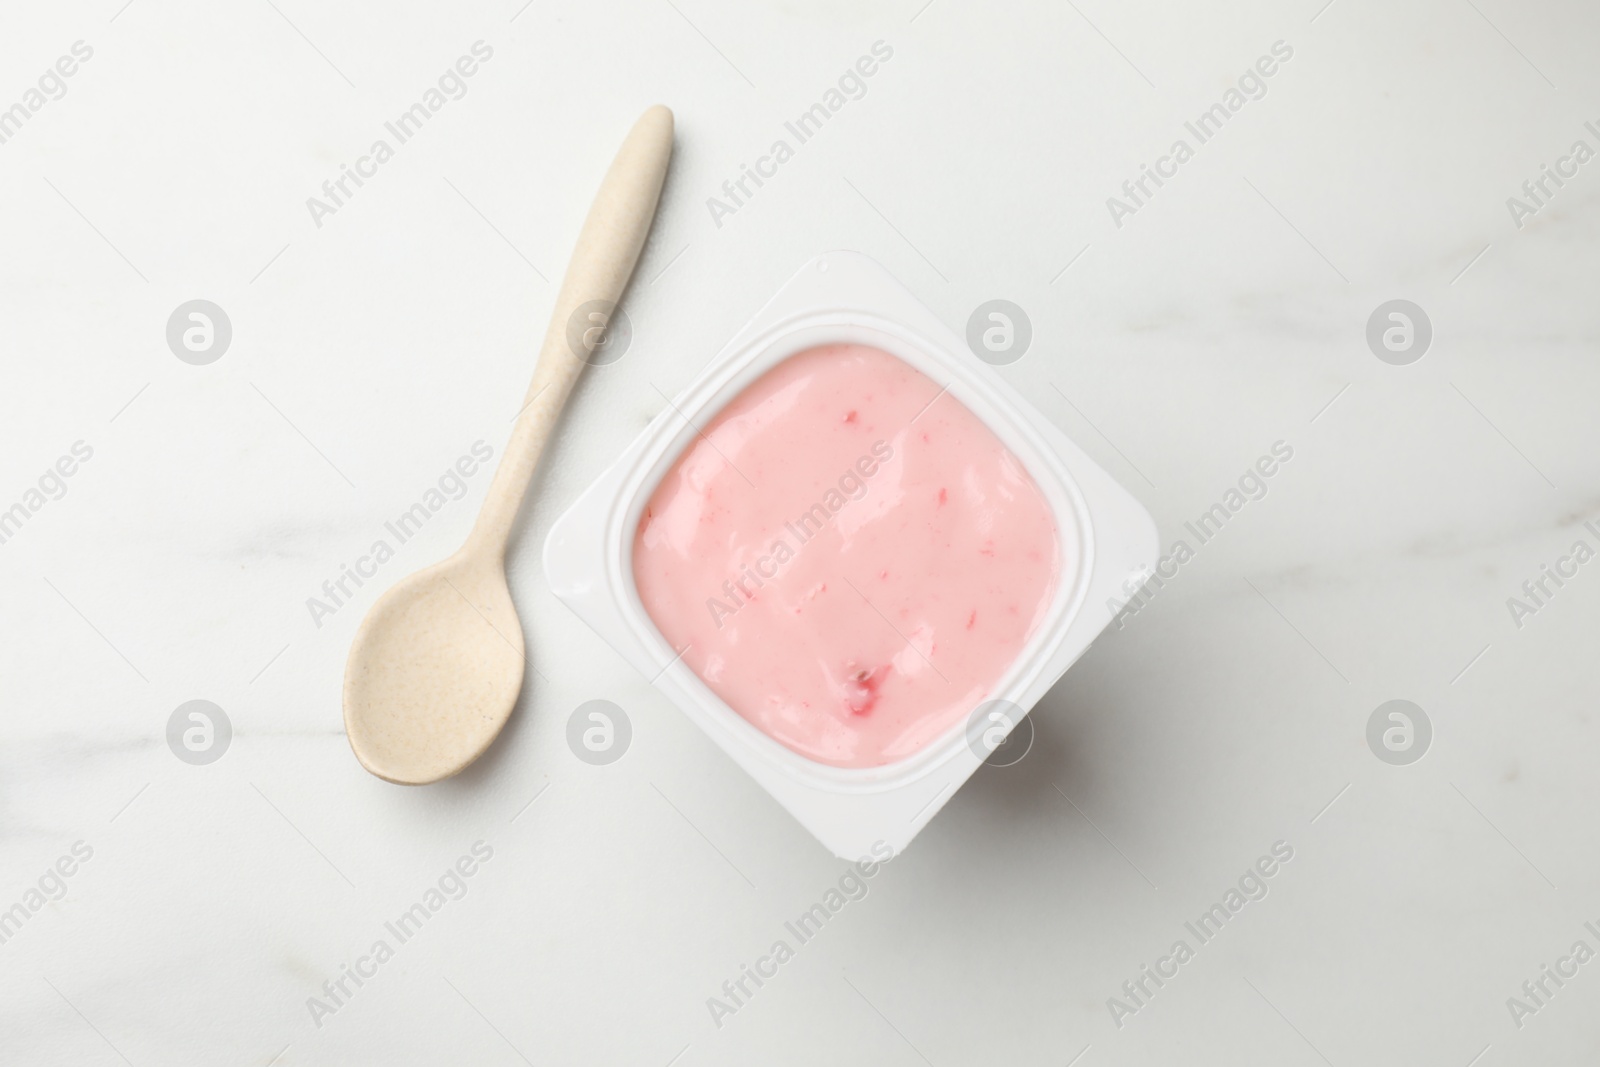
848, 557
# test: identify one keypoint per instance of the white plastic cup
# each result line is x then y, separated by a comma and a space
1107, 539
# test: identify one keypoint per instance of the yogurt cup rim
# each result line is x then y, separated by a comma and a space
971, 383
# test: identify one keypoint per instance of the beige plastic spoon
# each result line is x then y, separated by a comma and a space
436, 666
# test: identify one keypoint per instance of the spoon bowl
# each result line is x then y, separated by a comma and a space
434, 671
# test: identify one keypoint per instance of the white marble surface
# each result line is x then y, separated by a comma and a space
1230, 714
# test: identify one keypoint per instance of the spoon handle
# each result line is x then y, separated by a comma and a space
607, 250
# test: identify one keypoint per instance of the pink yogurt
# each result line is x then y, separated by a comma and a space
848, 557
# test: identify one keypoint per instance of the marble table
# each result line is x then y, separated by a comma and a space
1352, 881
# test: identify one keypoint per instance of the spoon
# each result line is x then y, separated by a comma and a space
436, 666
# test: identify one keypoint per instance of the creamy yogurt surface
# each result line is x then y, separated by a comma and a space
848, 556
